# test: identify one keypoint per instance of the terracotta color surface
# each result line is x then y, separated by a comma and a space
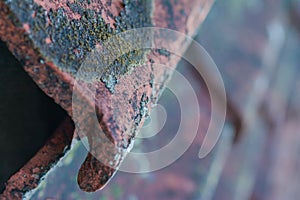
130, 91
33, 172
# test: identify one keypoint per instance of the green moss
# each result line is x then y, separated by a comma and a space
163, 52
73, 40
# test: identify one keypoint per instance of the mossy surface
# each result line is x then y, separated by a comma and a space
73, 39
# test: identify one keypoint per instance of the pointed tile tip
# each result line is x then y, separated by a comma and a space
90, 187
93, 175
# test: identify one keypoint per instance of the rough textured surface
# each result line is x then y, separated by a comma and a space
66, 39
29, 176
27, 116
261, 75
51, 42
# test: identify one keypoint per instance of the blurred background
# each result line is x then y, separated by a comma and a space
256, 46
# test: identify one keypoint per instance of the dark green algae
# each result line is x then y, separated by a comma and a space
72, 40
